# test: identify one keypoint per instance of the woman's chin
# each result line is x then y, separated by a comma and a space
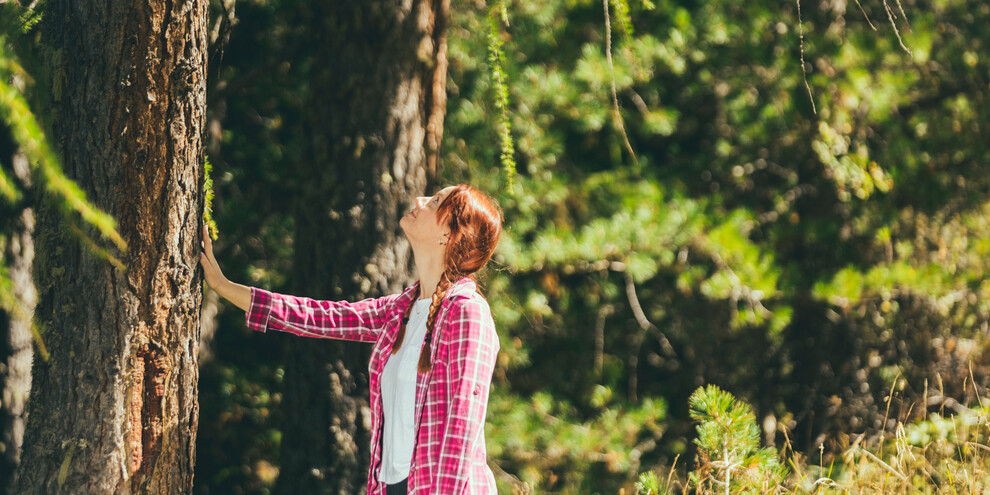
403, 225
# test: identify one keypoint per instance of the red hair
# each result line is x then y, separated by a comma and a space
475, 223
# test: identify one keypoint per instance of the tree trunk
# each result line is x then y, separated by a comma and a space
115, 409
377, 105
16, 254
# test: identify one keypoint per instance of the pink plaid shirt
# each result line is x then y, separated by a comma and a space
449, 456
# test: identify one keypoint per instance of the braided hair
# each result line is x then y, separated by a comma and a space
475, 223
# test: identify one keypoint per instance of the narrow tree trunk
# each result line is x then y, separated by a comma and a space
115, 409
16, 254
377, 105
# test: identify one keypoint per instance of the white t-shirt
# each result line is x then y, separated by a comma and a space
399, 398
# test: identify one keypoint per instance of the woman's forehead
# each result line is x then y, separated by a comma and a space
445, 191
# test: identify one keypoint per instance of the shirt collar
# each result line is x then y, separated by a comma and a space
463, 286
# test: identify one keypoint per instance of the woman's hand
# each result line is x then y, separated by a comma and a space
238, 294
211, 269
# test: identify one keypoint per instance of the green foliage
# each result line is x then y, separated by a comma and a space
15, 23
941, 453
208, 203
28, 18
609, 443
649, 484
621, 8
12, 305
245, 400
16, 29
26, 131
800, 259
765, 242
497, 74
729, 445
936, 454
7, 188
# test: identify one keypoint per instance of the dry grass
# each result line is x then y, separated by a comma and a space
943, 451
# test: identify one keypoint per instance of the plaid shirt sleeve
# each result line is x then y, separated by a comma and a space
361, 321
472, 349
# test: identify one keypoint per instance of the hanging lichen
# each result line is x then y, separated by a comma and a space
507, 155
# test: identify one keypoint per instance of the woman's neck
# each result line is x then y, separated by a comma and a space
430, 270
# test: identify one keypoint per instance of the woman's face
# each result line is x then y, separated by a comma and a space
421, 224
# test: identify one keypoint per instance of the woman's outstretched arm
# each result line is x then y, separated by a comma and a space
264, 310
362, 321
236, 293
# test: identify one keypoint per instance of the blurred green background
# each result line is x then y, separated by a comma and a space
808, 251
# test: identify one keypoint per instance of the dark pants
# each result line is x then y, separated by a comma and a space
396, 489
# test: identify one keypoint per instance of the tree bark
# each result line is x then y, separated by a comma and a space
115, 409
16, 254
377, 104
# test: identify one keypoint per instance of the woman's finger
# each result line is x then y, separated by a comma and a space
208, 264
206, 237
209, 258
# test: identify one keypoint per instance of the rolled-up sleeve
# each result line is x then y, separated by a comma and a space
359, 321
472, 349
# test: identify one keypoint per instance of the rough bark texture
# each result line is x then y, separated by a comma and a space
377, 115
115, 409
17, 253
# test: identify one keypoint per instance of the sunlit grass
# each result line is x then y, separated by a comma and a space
943, 451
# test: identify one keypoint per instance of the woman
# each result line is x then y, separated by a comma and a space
435, 347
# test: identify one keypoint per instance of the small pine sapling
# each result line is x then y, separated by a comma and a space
730, 459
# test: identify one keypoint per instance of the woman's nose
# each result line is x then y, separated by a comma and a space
421, 201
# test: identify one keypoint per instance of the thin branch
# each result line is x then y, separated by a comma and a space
517, 484
741, 291
672, 467
949, 402
884, 464
829, 482
611, 71
890, 15
603, 312
866, 16
803, 71
644, 323
899, 7
974, 444
640, 104
976, 388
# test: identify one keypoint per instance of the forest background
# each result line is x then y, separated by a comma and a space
797, 211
